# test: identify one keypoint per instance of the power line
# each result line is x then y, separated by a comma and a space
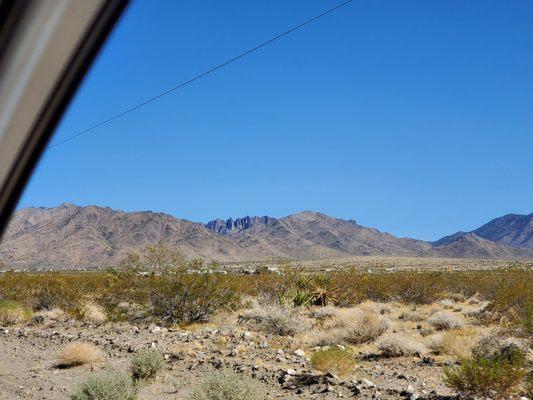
210, 71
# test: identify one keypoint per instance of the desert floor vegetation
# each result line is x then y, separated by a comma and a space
13, 312
108, 386
339, 361
228, 385
280, 332
496, 368
146, 364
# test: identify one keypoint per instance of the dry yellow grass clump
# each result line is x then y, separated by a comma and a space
94, 314
79, 353
368, 328
396, 345
457, 343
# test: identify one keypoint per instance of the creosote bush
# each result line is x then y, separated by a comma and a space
106, 386
497, 374
191, 298
334, 360
228, 385
12, 312
146, 364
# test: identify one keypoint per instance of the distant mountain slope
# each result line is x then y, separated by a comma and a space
469, 245
71, 236
514, 230
511, 229
309, 235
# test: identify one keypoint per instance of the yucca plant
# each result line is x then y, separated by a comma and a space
325, 290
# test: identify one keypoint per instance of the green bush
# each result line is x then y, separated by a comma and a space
146, 364
488, 374
108, 386
228, 385
12, 312
187, 299
334, 360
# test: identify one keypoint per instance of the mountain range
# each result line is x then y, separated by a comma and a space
70, 236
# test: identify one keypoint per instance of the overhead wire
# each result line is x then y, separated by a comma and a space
199, 76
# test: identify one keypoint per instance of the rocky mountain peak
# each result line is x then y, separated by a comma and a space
232, 226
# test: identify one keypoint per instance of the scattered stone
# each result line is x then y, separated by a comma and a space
290, 371
299, 353
366, 384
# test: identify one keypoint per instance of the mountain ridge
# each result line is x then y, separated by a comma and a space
93, 236
514, 230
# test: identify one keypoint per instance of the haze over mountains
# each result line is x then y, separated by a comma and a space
71, 236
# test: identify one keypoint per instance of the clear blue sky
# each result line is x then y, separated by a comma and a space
414, 117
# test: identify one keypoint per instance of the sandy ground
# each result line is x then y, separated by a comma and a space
28, 359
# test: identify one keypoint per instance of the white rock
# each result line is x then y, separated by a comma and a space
367, 383
155, 329
299, 353
290, 371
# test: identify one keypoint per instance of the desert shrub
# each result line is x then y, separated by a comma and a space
146, 364
79, 353
334, 360
496, 374
351, 325
446, 303
93, 313
274, 319
374, 307
326, 337
453, 296
58, 293
301, 289
55, 314
495, 346
188, 299
154, 257
474, 299
412, 316
323, 312
445, 320
228, 385
457, 343
108, 386
528, 386
509, 291
367, 329
346, 317
394, 345
11, 313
